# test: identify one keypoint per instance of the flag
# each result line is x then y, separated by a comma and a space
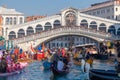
12, 51
20, 51
39, 48
32, 49
16, 51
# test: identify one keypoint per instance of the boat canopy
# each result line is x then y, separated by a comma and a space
84, 45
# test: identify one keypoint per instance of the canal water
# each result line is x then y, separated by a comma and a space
35, 71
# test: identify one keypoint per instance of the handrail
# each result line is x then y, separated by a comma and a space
63, 30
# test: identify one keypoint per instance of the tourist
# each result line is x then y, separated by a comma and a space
83, 65
87, 69
3, 65
116, 62
1, 54
12, 66
8, 58
90, 61
60, 65
76, 56
63, 52
88, 55
59, 53
54, 59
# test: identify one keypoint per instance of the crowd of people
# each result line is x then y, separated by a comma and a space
9, 62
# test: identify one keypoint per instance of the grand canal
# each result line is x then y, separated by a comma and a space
35, 71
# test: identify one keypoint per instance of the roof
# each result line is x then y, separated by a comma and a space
98, 6
84, 45
69, 8
4, 10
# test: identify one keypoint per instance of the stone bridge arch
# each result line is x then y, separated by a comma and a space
62, 35
39, 38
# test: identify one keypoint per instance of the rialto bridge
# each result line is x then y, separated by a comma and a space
68, 22
45, 36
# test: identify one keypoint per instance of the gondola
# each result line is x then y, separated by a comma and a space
23, 65
100, 56
10, 74
57, 72
97, 74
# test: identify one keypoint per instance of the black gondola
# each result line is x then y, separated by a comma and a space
96, 74
57, 72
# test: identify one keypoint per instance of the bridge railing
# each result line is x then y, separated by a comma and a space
63, 30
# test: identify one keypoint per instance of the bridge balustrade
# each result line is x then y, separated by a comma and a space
63, 30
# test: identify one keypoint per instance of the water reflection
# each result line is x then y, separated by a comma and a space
3, 78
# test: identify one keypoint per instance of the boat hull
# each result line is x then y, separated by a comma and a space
96, 74
9, 74
100, 56
57, 72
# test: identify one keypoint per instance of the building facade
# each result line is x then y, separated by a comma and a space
10, 18
109, 9
68, 41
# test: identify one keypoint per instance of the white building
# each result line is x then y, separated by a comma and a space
10, 18
109, 9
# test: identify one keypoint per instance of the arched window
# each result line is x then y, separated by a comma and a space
12, 35
7, 21
102, 27
21, 20
118, 31
21, 33
112, 30
11, 20
56, 23
15, 20
48, 26
38, 28
84, 23
6, 31
2, 31
30, 31
93, 25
